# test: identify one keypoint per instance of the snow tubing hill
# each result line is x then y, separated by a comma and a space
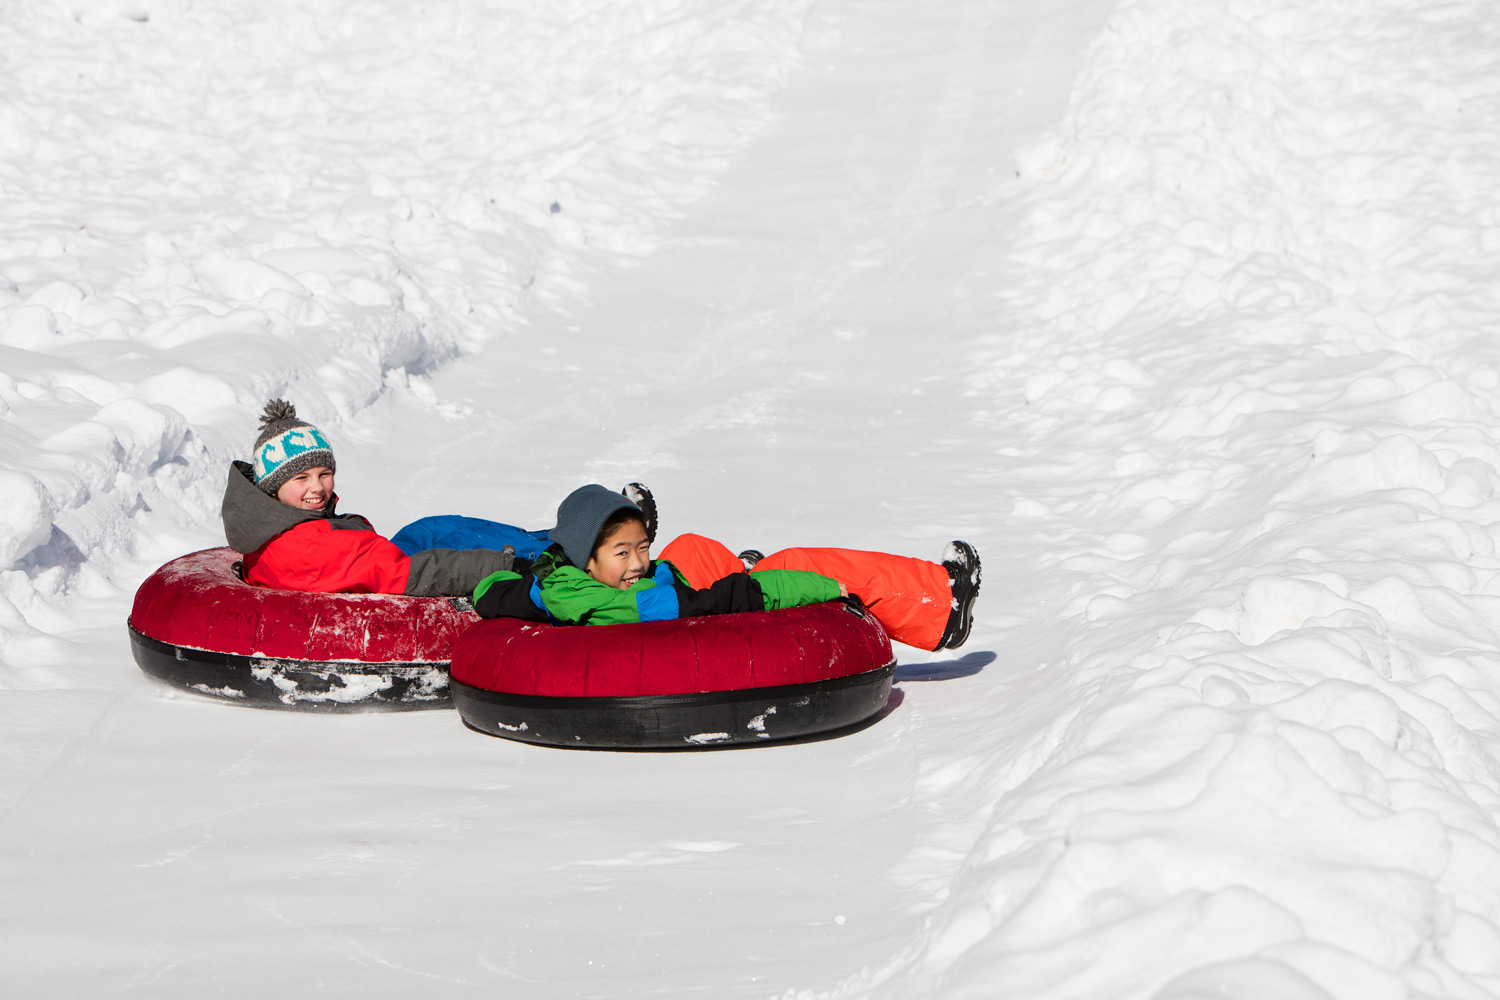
690, 682
197, 625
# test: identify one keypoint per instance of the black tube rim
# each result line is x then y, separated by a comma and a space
696, 720
290, 683
627, 703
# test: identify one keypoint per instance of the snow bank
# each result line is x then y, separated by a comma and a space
205, 205
1251, 406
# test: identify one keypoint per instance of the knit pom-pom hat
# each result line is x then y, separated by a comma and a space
286, 446
579, 518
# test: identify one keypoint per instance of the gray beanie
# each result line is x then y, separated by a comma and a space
286, 446
579, 518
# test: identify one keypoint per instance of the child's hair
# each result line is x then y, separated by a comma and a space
612, 524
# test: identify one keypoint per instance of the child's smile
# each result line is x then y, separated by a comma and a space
622, 558
308, 489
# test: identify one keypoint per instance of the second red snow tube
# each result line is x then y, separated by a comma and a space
689, 682
197, 625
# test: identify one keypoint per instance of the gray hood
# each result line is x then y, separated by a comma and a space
251, 519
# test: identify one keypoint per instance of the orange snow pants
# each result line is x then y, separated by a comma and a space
911, 597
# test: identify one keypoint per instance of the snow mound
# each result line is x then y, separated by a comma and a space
210, 204
1254, 350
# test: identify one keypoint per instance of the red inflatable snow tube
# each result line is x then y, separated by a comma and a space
197, 625
691, 682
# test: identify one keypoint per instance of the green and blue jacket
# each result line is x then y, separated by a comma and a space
554, 590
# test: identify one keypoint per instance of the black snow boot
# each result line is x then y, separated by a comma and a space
638, 494
962, 564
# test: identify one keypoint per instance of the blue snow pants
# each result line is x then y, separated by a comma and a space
454, 531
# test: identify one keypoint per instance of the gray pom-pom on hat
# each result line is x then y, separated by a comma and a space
579, 518
286, 446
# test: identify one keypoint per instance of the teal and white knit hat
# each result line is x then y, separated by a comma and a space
286, 446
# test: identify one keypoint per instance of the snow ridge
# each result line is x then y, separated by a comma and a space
206, 205
1256, 348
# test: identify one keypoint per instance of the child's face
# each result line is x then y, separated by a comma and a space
622, 558
308, 489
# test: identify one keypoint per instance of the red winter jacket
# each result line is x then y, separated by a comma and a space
329, 553
326, 557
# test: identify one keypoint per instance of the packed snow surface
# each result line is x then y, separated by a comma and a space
1183, 312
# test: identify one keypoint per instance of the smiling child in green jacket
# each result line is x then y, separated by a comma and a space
599, 571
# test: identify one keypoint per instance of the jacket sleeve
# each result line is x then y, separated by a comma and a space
447, 572
728, 595
315, 559
791, 588
507, 595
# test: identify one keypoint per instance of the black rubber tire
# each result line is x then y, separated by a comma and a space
708, 719
297, 685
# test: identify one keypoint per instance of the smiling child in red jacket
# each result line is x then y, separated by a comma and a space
280, 513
